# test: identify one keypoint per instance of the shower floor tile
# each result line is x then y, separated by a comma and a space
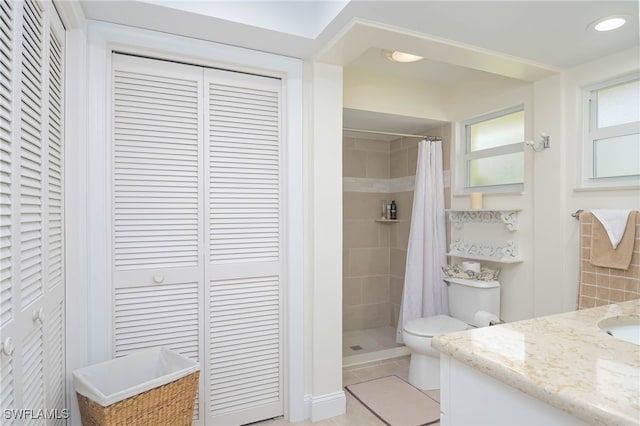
355, 342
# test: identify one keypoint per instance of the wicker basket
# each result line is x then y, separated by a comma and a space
170, 404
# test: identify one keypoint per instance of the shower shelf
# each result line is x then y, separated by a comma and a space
387, 220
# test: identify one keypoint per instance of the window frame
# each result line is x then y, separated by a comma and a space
469, 155
591, 134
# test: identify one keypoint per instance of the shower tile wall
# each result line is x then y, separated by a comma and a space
404, 157
365, 242
375, 253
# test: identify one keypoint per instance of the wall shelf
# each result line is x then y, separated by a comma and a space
505, 253
459, 217
501, 252
387, 220
486, 259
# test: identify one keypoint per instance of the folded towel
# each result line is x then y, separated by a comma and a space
614, 221
602, 254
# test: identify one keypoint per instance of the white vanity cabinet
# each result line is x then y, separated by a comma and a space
557, 369
470, 397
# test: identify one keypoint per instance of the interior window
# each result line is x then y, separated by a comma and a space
613, 143
494, 150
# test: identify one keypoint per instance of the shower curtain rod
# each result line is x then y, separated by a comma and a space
429, 138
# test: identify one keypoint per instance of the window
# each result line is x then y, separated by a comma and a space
612, 146
494, 154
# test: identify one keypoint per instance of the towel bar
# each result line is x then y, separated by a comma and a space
576, 215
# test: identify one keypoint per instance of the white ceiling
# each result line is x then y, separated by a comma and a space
428, 70
298, 18
547, 32
521, 39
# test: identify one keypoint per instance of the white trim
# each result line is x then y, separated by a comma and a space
307, 407
71, 14
75, 208
608, 188
103, 38
329, 405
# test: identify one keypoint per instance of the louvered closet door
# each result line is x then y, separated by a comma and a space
31, 191
243, 230
157, 209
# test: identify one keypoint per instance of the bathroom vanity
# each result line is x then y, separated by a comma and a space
560, 369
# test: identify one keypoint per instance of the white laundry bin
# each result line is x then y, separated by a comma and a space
149, 387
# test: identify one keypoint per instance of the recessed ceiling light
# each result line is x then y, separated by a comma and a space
397, 56
609, 23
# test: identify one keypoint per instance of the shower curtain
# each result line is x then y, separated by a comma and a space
425, 293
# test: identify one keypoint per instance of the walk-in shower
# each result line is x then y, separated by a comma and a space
375, 168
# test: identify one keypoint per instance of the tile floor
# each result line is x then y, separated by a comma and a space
357, 414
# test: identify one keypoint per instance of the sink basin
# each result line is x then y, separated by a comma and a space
626, 327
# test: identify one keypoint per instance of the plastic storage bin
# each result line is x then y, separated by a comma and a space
150, 387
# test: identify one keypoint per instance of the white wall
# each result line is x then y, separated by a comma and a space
549, 201
393, 95
325, 214
607, 68
472, 100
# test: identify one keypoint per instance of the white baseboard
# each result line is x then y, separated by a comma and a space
329, 405
307, 406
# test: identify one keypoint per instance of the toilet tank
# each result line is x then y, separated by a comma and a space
466, 297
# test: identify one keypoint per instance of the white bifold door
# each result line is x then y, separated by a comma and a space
196, 228
32, 283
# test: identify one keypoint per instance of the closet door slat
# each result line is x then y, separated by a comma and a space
6, 164
31, 154
33, 368
241, 170
54, 320
245, 332
55, 165
146, 161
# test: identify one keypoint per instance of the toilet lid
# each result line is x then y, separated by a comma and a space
432, 326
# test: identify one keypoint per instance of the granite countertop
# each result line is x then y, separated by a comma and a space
564, 360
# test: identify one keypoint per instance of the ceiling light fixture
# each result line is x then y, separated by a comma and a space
609, 23
397, 56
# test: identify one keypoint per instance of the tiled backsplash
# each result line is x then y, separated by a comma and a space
602, 286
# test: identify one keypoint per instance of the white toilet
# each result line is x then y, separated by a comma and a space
466, 298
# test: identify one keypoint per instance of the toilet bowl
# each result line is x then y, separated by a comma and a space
467, 298
424, 367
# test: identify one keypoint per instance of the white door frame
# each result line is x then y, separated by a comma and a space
88, 259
